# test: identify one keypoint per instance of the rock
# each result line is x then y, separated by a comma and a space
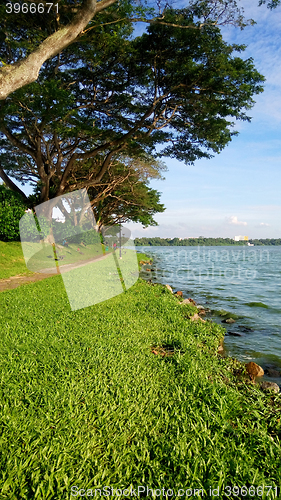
220, 348
234, 334
272, 373
254, 370
245, 328
179, 294
195, 317
229, 321
192, 301
169, 288
202, 312
186, 301
200, 307
269, 386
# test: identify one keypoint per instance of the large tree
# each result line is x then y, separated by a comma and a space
171, 92
37, 30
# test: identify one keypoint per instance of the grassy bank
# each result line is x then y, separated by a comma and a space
12, 260
86, 403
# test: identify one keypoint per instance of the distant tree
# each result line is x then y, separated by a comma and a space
193, 242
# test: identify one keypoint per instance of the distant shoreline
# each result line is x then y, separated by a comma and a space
201, 241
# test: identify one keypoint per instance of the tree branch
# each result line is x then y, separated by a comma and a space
17, 143
11, 185
15, 76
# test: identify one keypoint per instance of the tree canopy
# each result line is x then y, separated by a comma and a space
130, 200
37, 30
169, 92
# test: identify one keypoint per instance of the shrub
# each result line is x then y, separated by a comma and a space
12, 208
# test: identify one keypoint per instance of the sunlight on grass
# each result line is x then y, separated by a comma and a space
12, 260
84, 401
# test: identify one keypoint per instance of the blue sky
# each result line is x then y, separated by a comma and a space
238, 191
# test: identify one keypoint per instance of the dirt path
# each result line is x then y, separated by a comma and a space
15, 281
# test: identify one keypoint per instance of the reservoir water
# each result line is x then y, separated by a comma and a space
244, 281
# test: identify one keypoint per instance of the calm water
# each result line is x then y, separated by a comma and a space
245, 281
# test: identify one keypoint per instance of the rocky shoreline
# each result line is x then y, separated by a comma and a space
254, 371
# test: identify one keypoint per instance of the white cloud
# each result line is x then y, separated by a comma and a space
263, 224
234, 221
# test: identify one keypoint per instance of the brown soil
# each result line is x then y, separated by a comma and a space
15, 281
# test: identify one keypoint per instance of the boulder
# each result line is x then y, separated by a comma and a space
179, 294
229, 321
269, 386
169, 288
254, 370
220, 348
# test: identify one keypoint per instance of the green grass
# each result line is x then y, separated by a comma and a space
12, 260
41, 256
84, 401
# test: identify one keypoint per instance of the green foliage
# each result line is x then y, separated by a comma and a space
31, 230
271, 4
98, 99
132, 200
87, 237
201, 241
12, 208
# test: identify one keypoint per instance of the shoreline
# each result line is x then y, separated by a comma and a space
272, 375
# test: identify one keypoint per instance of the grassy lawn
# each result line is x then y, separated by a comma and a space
85, 402
41, 256
12, 260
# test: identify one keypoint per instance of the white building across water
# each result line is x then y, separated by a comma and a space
241, 238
